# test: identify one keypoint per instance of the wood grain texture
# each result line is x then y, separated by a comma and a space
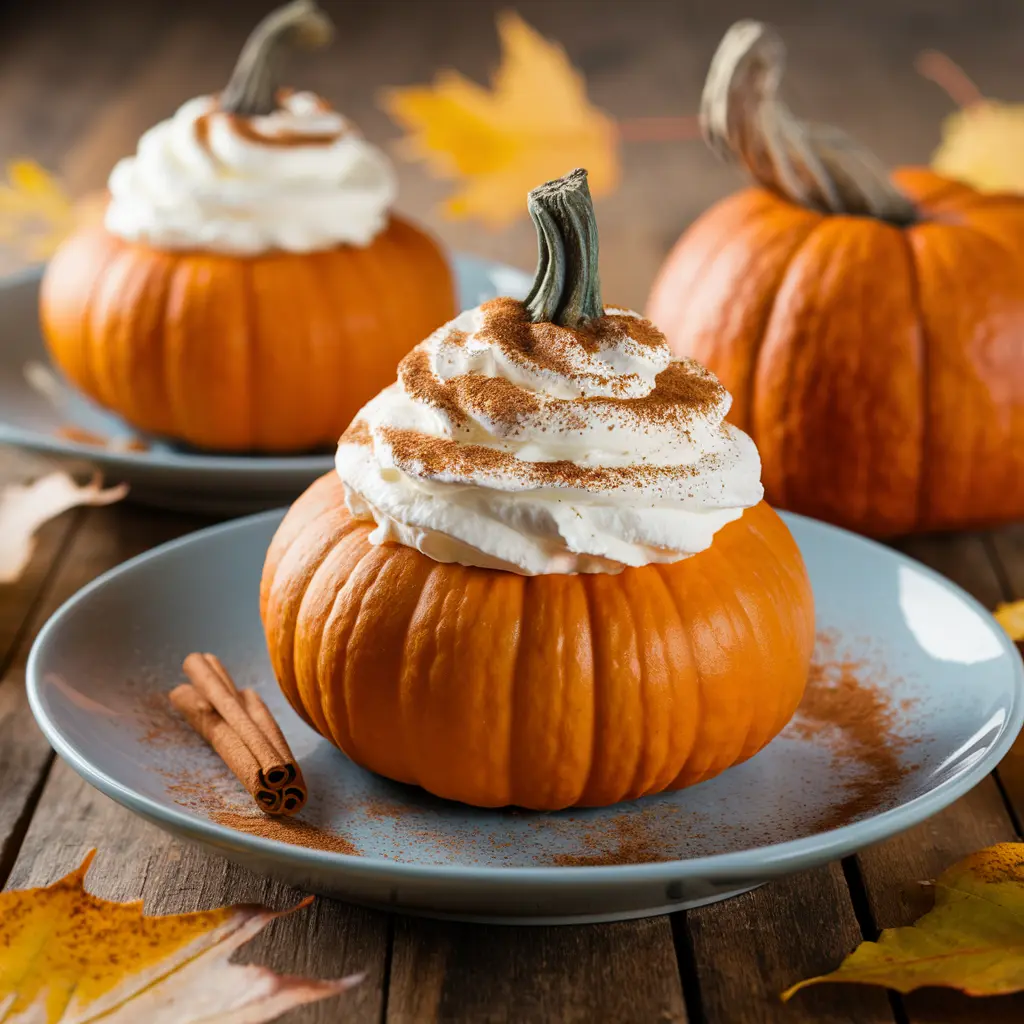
893, 871
749, 949
105, 537
617, 973
138, 861
1007, 549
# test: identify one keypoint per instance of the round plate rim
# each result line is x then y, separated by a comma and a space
756, 863
195, 463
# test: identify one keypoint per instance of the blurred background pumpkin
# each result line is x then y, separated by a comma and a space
870, 330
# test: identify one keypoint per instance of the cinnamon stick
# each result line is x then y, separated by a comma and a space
295, 792
204, 719
276, 770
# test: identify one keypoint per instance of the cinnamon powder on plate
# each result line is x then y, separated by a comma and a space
848, 710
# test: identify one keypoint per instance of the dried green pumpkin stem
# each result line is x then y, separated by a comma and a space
567, 287
254, 83
744, 120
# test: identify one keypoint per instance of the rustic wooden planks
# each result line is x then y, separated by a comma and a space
106, 536
893, 872
750, 949
620, 973
138, 861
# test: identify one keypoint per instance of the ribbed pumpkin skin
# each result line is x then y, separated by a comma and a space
880, 370
542, 692
273, 353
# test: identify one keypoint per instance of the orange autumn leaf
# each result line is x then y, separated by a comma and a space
1011, 618
534, 123
71, 957
972, 940
24, 508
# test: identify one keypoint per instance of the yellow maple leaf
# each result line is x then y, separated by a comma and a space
982, 142
36, 213
534, 123
1011, 618
983, 145
972, 940
71, 957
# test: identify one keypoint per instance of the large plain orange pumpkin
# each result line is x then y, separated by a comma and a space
270, 353
871, 331
539, 691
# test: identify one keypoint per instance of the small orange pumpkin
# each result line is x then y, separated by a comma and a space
540, 691
271, 353
545, 691
871, 331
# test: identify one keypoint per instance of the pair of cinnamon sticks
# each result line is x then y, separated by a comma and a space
240, 728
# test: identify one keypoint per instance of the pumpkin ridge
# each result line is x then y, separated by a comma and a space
664, 572
740, 612
253, 360
698, 694
924, 462
368, 566
781, 581
665, 596
411, 752
91, 338
595, 675
642, 695
762, 335
318, 714
514, 697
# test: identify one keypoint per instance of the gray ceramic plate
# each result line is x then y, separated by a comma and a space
164, 475
929, 657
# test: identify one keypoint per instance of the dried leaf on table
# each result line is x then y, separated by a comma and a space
1011, 618
972, 940
535, 123
37, 214
982, 142
67, 956
26, 507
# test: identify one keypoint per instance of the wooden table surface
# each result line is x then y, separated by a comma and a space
79, 82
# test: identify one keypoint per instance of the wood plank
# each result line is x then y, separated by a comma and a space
106, 537
749, 949
1007, 549
138, 861
617, 973
893, 871
17, 599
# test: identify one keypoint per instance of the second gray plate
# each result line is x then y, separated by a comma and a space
164, 475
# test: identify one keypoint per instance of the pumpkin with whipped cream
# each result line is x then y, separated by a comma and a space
543, 573
250, 287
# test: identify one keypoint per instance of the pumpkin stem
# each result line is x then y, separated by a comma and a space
566, 288
743, 119
252, 90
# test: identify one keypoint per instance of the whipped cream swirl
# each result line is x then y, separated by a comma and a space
298, 179
537, 448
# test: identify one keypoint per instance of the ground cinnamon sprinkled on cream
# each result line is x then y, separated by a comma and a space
434, 457
357, 432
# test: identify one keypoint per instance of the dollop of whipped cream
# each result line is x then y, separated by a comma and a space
299, 179
540, 449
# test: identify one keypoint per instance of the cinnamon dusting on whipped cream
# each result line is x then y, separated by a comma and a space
541, 448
